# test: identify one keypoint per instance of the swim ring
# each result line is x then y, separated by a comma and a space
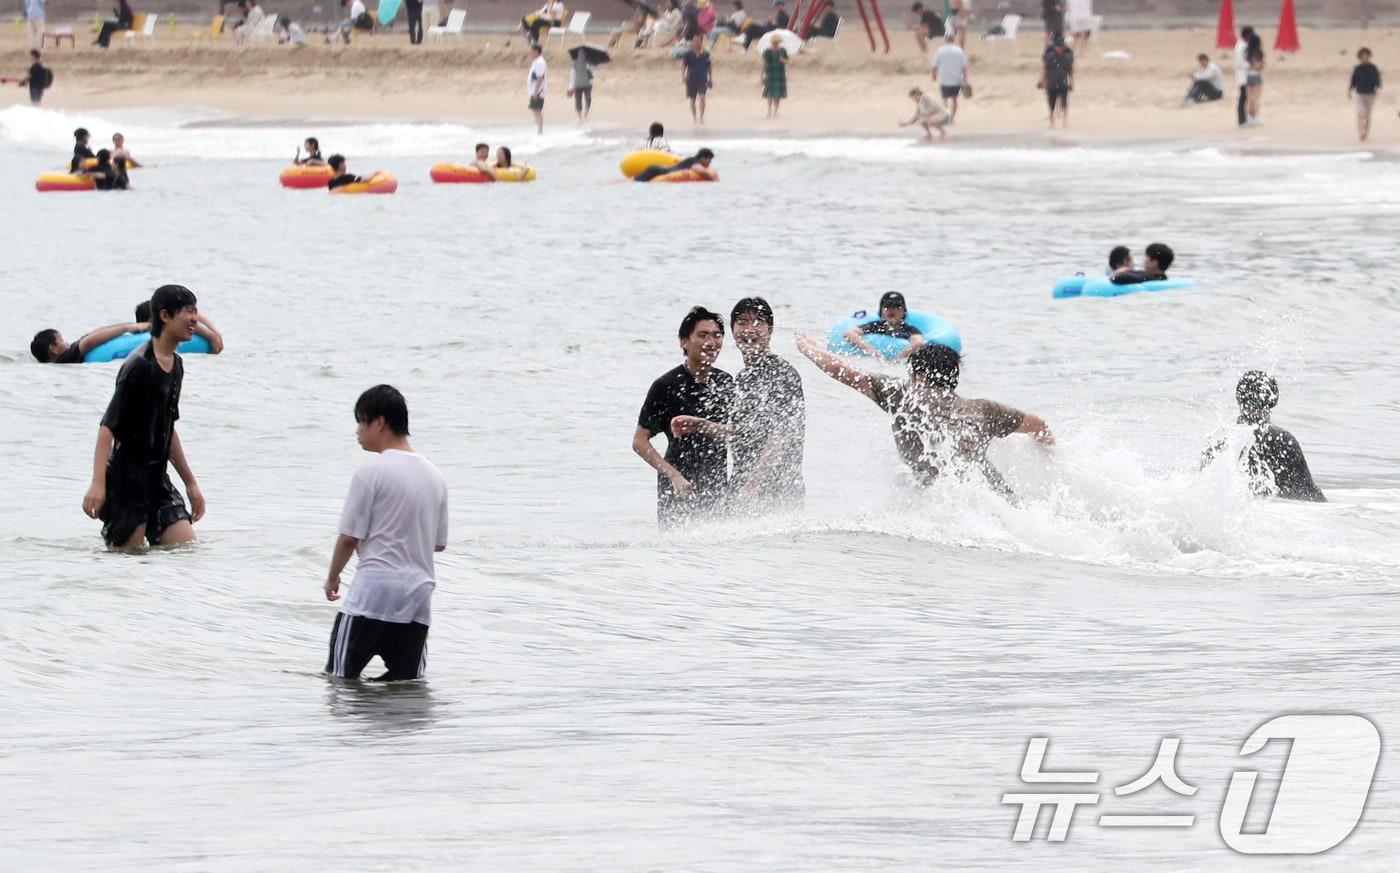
1080, 285
306, 177
91, 163
449, 172
634, 162
119, 347
935, 329
683, 176
64, 182
378, 182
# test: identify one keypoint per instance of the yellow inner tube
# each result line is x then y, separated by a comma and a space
634, 162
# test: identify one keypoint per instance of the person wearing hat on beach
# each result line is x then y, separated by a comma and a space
775, 59
1274, 459
933, 427
1057, 78
928, 113
699, 162
891, 323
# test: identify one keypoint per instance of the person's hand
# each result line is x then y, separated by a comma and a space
806, 343
94, 498
139, 327
685, 425
680, 485
332, 587
196, 502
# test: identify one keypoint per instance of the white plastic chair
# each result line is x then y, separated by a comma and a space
1010, 25
1095, 23
148, 27
456, 24
266, 30
577, 22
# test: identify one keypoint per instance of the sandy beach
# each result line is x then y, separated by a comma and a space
836, 87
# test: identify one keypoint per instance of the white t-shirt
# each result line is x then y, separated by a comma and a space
1211, 74
950, 61
535, 81
397, 509
1241, 65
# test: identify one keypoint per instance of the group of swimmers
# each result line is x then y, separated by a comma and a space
342, 177
107, 168
734, 445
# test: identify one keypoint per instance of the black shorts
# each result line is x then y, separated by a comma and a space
402, 646
536, 104
1057, 97
134, 499
950, 90
693, 91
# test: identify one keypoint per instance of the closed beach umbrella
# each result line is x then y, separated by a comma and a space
593, 53
790, 41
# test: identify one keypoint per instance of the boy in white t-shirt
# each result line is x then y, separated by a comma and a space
396, 518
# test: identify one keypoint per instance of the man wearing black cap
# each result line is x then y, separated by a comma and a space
891, 323
1274, 458
933, 427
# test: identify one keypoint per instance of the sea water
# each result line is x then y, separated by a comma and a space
850, 688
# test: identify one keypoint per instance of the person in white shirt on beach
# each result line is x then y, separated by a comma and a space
395, 517
535, 83
1242, 73
1207, 82
950, 71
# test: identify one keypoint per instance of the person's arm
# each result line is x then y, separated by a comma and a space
97, 490
93, 339
856, 337
1037, 428
205, 328
641, 444
834, 366
182, 467
345, 546
685, 425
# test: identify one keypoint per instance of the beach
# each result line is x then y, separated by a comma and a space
838, 87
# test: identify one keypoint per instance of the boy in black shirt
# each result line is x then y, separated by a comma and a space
131, 491
342, 178
1365, 84
39, 78
693, 476
80, 149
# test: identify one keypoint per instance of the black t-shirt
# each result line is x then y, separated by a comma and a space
144, 409
1135, 277
342, 180
931, 22
827, 27
71, 355
1276, 454
1058, 68
768, 405
701, 459
38, 76
897, 329
1365, 79
80, 152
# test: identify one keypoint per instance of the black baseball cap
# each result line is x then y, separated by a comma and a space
893, 298
756, 305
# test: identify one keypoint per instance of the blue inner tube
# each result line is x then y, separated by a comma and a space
936, 329
119, 347
1080, 285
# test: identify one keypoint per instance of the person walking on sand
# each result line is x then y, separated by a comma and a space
395, 517
34, 23
950, 72
581, 85
39, 78
1242, 74
1057, 78
535, 83
1365, 86
775, 59
698, 75
928, 114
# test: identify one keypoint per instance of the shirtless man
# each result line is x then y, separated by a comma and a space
482, 161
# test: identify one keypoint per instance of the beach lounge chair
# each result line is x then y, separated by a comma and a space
216, 29
455, 26
148, 28
577, 22
1010, 26
266, 30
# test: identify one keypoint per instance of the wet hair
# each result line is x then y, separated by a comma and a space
313, 142
336, 162
1162, 254
656, 129
81, 133
505, 152
1256, 392
143, 311
39, 346
704, 153
1119, 256
757, 305
941, 364
480, 146
696, 315
383, 401
171, 299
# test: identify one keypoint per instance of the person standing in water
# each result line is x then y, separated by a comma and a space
930, 422
770, 417
131, 491
1274, 459
535, 85
81, 152
692, 478
395, 517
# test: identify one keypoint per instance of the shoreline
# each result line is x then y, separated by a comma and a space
836, 90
